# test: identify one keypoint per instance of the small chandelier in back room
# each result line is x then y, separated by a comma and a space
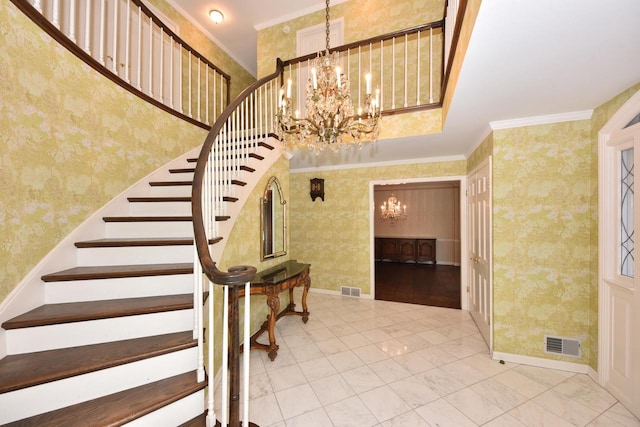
392, 210
330, 121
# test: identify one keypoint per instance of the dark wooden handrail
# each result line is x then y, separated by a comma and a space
384, 37
33, 14
235, 275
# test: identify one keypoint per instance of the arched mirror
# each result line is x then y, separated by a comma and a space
273, 221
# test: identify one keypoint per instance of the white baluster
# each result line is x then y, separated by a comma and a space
418, 73
359, 74
381, 75
206, 93
151, 57
197, 313
116, 33
171, 66
406, 64
393, 73
199, 91
180, 75
55, 13
430, 65
161, 67
127, 44
38, 5
189, 87
72, 20
139, 52
87, 27
103, 17
214, 101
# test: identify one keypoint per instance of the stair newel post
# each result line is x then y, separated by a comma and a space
234, 356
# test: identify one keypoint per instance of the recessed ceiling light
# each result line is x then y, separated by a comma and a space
216, 16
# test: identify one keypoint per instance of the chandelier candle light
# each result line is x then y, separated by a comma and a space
330, 120
393, 210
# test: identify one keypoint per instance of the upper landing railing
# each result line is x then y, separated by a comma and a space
406, 68
126, 42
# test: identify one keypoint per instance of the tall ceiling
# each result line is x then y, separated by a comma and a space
525, 59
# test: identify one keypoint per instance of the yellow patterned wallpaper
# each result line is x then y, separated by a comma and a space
67, 146
334, 235
484, 150
541, 236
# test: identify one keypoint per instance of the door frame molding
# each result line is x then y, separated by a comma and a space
464, 296
605, 214
486, 162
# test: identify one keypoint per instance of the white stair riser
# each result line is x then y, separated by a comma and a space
57, 394
128, 287
149, 229
40, 338
160, 208
174, 414
135, 255
170, 190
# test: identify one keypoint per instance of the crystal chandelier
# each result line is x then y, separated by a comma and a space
330, 120
392, 210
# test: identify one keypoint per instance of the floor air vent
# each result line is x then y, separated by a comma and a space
563, 346
349, 292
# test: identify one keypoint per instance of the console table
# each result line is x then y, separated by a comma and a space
285, 276
405, 249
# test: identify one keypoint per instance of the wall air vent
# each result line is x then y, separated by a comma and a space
349, 292
562, 346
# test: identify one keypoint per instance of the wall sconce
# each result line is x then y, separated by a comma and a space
317, 189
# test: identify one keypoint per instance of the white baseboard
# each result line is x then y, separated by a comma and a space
540, 362
593, 374
336, 293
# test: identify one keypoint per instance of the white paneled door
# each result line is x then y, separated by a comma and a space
619, 292
479, 229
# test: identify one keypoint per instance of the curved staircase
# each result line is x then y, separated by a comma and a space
114, 342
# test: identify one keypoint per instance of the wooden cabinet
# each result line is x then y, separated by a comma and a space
402, 249
426, 250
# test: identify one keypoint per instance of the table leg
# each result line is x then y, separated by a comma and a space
273, 301
305, 309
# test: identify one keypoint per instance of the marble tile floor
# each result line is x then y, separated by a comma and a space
362, 363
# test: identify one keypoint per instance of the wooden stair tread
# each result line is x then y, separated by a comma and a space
25, 370
182, 170
119, 271
159, 199
169, 183
199, 421
137, 241
120, 408
243, 167
147, 218
176, 183
157, 218
53, 314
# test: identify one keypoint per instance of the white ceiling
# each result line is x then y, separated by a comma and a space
525, 59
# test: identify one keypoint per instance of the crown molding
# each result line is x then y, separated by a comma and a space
541, 120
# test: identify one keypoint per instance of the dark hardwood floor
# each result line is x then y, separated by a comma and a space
426, 284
